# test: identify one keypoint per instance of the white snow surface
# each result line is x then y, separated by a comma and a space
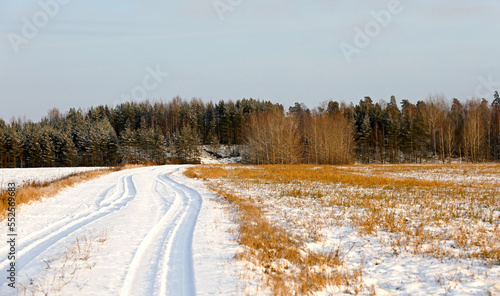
225, 155
152, 231
23, 176
384, 272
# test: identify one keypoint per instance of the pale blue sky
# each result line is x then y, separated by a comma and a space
98, 51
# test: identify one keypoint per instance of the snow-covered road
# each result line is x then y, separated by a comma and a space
146, 218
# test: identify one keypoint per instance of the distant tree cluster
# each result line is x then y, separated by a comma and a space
334, 133
155, 132
301, 136
432, 129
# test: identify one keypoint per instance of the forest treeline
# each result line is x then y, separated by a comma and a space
333, 133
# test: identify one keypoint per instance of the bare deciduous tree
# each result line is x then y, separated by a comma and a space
473, 131
273, 138
329, 139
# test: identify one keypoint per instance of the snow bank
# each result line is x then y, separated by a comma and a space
22, 176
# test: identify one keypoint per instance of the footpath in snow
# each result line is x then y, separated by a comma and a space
144, 231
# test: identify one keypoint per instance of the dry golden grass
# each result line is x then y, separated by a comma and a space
35, 191
276, 250
314, 173
289, 268
425, 207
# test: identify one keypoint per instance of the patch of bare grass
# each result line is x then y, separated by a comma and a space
288, 267
449, 211
35, 191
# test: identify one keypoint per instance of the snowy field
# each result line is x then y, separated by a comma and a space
409, 229
402, 230
22, 176
144, 231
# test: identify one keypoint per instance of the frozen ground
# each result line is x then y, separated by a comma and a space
484, 173
152, 231
145, 231
436, 249
21, 176
224, 154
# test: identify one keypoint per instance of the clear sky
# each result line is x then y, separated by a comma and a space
82, 53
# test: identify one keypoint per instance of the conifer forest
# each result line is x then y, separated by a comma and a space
261, 132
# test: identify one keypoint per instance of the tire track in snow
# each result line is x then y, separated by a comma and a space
103, 196
179, 265
150, 251
28, 250
163, 262
32, 237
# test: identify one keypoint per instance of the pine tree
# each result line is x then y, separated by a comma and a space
496, 99
224, 124
145, 145
421, 132
186, 145
69, 152
333, 108
47, 148
366, 134
104, 143
76, 128
3, 145
209, 124
495, 128
127, 146
393, 130
160, 149
14, 145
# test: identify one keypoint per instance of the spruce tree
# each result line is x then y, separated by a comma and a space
160, 149
69, 152
186, 145
3, 148
14, 147
127, 146
47, 158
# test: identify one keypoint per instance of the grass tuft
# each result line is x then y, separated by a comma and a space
289, 268
449, 211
